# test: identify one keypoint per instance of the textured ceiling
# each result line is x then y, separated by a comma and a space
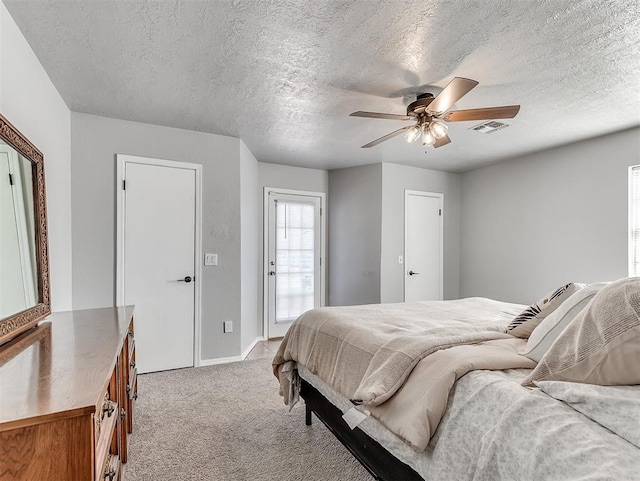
283, 75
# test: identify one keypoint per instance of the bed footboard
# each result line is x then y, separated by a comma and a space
373, 456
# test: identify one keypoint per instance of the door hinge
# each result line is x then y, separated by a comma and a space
10, 179
320, 211
439, 211
124, 184
321, 261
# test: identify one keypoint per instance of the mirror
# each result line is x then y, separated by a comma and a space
24, 264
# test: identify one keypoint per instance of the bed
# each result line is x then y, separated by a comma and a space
433, 390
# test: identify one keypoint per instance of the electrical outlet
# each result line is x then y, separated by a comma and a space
227, 326
211, 259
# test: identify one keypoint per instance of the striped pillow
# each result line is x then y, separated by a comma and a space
601, 345
524, 324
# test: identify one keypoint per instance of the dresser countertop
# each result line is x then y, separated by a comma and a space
58, 369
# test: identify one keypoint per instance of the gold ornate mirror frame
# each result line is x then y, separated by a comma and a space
18, 322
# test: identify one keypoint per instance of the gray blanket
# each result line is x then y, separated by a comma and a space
367, 352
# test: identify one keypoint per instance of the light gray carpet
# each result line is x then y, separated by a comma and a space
228, 423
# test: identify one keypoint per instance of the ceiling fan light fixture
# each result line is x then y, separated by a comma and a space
427, 136
438, 129
412, 134
429, 114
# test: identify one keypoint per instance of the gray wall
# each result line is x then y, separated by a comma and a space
251, 243
31, 103
395, 180
531, 224
294, 178
94, 143
355, 223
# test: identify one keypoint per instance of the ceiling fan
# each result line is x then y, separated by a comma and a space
429, 114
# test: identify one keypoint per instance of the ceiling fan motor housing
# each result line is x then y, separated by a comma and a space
418, 108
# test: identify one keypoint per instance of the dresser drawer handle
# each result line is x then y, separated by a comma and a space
132, 364
123, 413
135, 396
108, 408
130, 333
110, 474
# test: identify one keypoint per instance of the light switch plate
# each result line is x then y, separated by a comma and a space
211, 259
228, 326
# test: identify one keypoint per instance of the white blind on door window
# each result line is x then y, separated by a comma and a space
294, 259
634, 220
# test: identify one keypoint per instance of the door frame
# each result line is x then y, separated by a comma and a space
265, 247
437, 195
121, 160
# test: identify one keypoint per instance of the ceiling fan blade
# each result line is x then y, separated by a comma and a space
376, 115
442, 141
386, 137
454, 91
506, 112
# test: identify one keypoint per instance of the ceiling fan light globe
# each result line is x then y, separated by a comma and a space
412, 134
438, 129
428, 138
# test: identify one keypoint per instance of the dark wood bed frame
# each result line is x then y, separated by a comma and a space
373, 456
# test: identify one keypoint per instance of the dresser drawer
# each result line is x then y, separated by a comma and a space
107, 408
107, 421
106, 442
105, 411
131, 378
131, 342
132, 365
132, 391
111, 469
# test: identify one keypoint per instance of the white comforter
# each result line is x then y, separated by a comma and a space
401, 360
367, 352
496, 430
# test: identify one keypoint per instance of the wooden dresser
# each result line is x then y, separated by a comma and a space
67, 395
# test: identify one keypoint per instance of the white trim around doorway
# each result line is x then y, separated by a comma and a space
265, 247
436, 195
121, 159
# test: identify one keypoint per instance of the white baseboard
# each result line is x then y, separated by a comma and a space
220, 360
225, 360
251, 346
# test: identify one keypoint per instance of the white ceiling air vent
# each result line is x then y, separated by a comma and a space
490, 126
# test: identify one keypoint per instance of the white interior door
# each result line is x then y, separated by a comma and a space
159, 261
423, 246
293, 280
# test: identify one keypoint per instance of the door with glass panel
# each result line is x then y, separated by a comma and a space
293, 258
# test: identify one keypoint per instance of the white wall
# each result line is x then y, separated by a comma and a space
31, 103
94, 143
295, 178
250, 248
395, 180
532, 224
355, 225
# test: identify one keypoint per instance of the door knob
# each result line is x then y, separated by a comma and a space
187, 279
411, 273
272, 273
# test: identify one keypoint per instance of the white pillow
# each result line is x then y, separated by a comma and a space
601, 345
552, 326
524, 324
